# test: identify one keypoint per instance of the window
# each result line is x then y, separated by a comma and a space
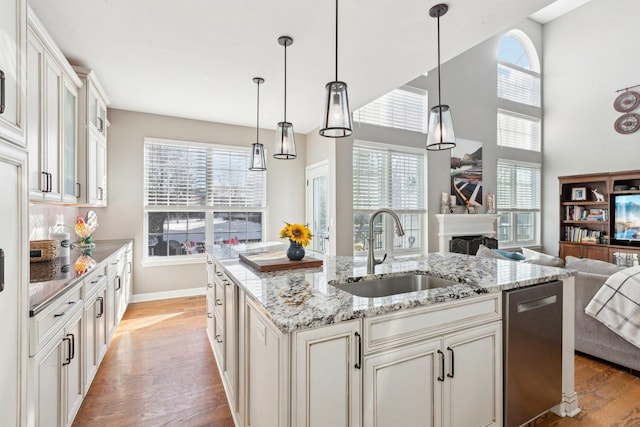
390, 179
403, 108
518, 69
518, 131
518, 203
197, 194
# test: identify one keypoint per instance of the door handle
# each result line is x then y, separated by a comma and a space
2, 78
452, 372
441, 377
358, 364
537, 303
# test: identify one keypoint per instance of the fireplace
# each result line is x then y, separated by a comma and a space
468, 230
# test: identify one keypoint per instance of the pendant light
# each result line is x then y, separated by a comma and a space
285, 142
258, 162
337, 117
440, 133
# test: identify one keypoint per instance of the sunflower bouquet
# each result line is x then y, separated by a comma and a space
297, 233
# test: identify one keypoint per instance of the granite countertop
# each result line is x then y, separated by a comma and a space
50, 279
304, 298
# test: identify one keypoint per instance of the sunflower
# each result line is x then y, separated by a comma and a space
298, 233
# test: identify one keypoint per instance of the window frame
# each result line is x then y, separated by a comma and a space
208, 210
388, 222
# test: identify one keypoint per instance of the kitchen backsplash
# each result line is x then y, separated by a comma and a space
43, 216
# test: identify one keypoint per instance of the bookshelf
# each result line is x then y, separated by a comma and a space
585, 209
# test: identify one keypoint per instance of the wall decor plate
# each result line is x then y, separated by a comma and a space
627, 123
627, 101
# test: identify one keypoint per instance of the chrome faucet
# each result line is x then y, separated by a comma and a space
371, 258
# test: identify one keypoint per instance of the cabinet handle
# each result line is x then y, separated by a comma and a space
73, 346
441, 377
218, 339
209, 285
49, 182
218, 302
70, 304
1, 91
68, 340
119, 279
100, 124
209, 262
452, 373
100, 193
209, 315
78, 190
44, 181
358, 364
99, 315
129, 267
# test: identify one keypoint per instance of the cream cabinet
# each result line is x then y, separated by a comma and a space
95, 338
56, 376
13, 22
14, 297
326, 371
52, 91
115, 305
92, 139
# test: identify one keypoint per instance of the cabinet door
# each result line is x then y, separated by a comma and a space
53, 89
110, 306
35, 135
231, 341
600, 253
96, 170
48, 379
401, 386
327, 370
97, 111
567, 249
473, 384
70, 191
13, 22
73, 370
91, 310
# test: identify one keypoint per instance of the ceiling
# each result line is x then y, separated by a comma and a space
196, 58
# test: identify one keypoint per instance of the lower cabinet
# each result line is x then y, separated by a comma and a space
95, 332
56, 377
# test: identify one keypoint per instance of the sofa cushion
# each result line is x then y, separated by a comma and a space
534, 257
594, 266
485, 252
516, 256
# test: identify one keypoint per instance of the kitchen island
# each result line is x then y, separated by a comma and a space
293, 350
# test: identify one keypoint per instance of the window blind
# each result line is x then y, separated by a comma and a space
195, 175
400, 108
386, 178
518, 186
518, 85
518, 131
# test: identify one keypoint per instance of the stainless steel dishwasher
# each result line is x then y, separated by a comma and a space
532, 351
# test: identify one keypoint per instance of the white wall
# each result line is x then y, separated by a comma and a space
588, 55
123, 218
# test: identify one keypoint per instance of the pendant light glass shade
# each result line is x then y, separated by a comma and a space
440, 134
337, 117
258, 162
285, 146
285, 143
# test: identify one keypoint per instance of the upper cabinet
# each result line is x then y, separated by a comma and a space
92, 139
13, 24
52, 111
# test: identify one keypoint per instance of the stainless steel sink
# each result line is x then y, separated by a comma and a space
394, 285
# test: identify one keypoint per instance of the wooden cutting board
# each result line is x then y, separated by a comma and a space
275, 261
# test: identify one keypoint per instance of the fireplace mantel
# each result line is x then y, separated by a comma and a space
452, 225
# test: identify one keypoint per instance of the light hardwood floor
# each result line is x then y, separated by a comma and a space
160, 370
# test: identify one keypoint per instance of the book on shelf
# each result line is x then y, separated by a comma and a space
580, 213
582, 235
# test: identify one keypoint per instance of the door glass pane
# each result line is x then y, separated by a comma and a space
319, 227
69, 142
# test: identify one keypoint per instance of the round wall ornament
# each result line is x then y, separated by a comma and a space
627, 123
627, 101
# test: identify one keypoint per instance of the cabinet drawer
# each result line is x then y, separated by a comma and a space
47, 323
93, 281
115, 264
413, 325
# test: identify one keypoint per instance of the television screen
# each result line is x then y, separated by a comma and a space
627, 217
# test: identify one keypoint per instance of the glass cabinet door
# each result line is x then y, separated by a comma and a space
69, 145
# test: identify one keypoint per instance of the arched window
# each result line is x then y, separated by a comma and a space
518, 69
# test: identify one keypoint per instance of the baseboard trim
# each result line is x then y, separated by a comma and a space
156, 296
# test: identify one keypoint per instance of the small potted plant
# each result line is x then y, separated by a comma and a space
299, 237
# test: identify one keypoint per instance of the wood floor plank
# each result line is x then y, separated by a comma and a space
160, 371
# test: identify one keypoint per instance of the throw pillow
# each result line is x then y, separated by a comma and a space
516, 256
594, 266
485, 252
534, 257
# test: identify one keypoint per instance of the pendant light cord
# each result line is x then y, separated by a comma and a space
285, 82
336, 40
439, 86
258, 114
